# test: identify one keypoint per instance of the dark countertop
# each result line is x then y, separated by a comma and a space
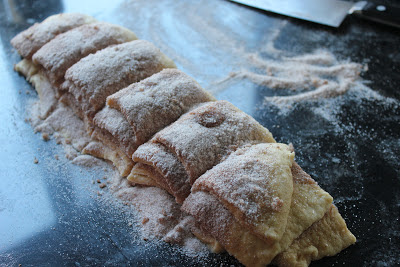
50, 213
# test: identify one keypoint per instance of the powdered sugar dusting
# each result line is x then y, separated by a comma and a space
159, 215
65, 127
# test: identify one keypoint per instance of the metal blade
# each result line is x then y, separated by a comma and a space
327, 12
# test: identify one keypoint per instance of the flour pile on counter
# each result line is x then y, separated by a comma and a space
186, 143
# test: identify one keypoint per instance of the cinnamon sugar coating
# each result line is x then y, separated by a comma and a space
200, 147
197, 148
255, 184
165, 167
67, 48
134, 114
114, 126
157, 101
33, 38
99, 75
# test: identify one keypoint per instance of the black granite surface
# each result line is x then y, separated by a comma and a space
50, 213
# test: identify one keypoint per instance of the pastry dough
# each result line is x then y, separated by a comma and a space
200, 139
242, 189
59, 54
107, 151
326, 237
256, 185
134, 114
212, 211
48, 65
44, 89
32, 39
99, 75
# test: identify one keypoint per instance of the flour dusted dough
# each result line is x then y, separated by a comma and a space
59, 54
32, 39
256, 185
200, 139
157, 101
99, 75
45, 69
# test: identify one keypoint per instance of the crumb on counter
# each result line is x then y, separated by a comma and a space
45, 136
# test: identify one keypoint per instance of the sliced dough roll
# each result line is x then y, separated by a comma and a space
237, 234
95, 77
33, 38
177, 155
52, 60
67, 48
134, 114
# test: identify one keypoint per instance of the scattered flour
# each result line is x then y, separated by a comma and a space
160, 216
311, 76
157, 212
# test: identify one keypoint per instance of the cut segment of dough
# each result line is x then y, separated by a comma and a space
59, 54
33, 38
157, 101
255, 184
99, 75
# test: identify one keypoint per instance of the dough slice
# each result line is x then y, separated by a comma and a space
48, 65
204, 136
56, 56
157, 101
255, 184
33, 38
159, 165
99, 75
196, 142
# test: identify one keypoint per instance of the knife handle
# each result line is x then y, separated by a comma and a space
384, 14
